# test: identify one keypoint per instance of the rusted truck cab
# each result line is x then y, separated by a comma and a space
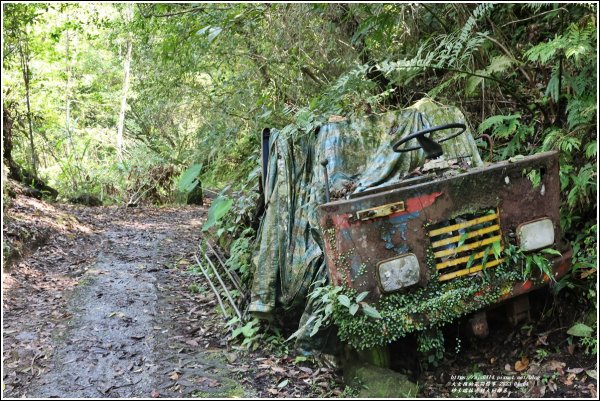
446, 225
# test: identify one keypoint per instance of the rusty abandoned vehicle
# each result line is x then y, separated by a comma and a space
400, 213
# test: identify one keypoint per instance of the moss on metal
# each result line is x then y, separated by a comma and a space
422, 309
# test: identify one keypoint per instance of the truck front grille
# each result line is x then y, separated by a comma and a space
464, 245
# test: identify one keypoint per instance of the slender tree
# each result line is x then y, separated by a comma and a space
24, 57
126, 72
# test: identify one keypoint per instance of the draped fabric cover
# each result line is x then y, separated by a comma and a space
360, 157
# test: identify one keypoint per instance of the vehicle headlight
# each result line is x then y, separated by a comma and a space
399, 272
535, 234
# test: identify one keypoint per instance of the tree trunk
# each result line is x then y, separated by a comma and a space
68, 95
7, 124
126, 69
24, 55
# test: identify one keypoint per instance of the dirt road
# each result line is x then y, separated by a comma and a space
102, 321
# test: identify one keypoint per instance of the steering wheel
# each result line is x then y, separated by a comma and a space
432, 148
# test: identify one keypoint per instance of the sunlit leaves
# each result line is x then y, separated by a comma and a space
188, 180
219, 207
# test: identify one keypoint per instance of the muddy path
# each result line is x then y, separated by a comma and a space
108, 307
93, 313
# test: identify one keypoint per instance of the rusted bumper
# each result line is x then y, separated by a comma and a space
560, 267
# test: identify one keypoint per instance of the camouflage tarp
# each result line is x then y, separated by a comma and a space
360, 157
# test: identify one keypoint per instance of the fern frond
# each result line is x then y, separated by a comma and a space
464, 43
581, 111
503, 126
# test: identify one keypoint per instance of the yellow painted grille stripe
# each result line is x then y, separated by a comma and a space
464, 259
472, 234
458, 226
473, 269
466, 247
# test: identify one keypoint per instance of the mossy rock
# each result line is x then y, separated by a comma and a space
378, 356
375, 382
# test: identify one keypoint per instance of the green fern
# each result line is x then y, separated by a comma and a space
498, 65
581, 111
464, 41
543, 52
502, 126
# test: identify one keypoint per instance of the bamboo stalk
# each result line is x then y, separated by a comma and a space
212, 286
229, 297
234, 279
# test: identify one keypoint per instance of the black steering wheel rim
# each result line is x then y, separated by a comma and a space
407, 138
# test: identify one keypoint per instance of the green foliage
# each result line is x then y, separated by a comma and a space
249, 332
587, 337
219, 207
525, 262
240, 254
430, 344
503, 126
323, 298
188, 180
358, 304
252, 335
580, 330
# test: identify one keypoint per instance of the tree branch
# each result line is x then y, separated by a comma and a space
311, 75
189, 10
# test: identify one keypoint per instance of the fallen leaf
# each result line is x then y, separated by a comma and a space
575, 370
154, 394
592, 373
273, 391
537, 391
593, 391
555, 365
587, 273
569, 380
174, 376
522, 364
277, 369
507, 367
542, 340
193, 343
571, 348
283, 383
208, 381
